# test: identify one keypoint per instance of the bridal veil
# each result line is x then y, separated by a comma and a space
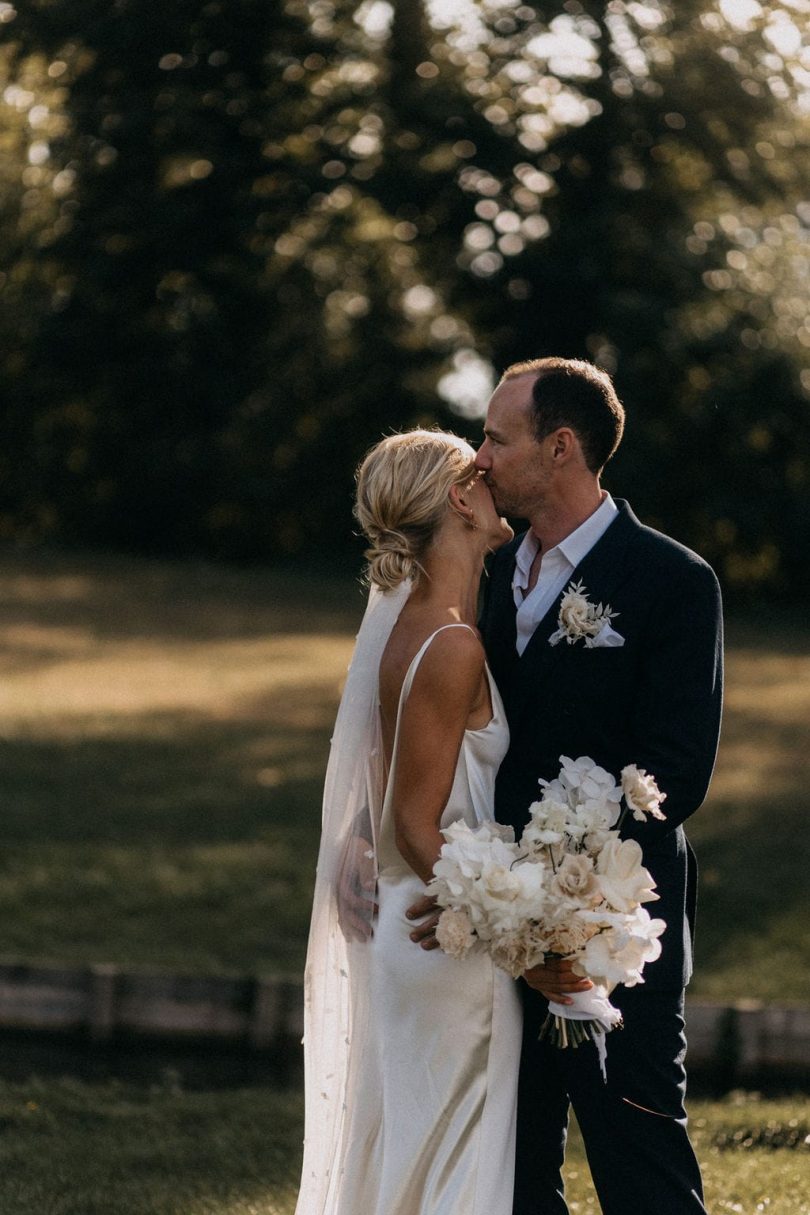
335, 987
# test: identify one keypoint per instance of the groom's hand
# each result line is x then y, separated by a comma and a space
356, 890
556, 980
425, 934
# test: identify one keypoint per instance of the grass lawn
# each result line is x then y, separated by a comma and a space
74, 1149
163, 733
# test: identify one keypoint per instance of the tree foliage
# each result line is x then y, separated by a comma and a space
241, 240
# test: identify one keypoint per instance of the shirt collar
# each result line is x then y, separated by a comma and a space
524, 557
580, 542
574, 547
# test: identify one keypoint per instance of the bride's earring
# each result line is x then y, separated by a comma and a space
468, 520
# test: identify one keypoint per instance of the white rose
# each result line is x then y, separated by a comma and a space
499, 883
624, 880
533, 878
454, 933
576, 880
642, 793
527, 895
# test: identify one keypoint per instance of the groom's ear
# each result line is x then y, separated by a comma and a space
562, 445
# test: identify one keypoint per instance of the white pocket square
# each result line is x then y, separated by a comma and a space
607, 638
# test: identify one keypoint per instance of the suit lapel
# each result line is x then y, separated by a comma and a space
601, 572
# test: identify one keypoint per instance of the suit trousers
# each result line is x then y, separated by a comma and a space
633, 1126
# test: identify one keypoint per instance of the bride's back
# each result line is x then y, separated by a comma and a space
414, 628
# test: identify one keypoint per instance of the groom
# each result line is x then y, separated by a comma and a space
651, 698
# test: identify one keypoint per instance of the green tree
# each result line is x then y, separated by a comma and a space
659, 144
240, 240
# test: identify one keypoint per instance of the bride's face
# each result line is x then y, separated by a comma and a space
495, 529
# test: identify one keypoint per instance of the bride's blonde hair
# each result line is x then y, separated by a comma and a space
402, 488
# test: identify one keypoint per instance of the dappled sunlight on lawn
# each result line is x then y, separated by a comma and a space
165, 728
237, 1151
219, 679
753, 927
164, 731
764, 745
132, 639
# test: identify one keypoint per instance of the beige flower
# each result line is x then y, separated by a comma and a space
578, 618
573, 935
454, 933
575, 615
642, 793
515, 953
576, 880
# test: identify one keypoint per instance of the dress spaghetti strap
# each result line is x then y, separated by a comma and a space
410, 674
407, 682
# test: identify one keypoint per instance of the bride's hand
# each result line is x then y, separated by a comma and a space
556, 980
424, 934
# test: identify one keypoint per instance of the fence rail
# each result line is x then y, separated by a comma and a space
104, 1001
741, 1043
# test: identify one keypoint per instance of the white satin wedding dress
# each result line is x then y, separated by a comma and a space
430, 1102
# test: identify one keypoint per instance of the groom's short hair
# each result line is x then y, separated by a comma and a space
574, 393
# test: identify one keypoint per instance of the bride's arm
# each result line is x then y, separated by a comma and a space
446, 689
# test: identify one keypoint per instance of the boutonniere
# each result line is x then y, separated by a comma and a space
581, 620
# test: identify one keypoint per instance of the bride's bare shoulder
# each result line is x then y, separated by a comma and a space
454, 656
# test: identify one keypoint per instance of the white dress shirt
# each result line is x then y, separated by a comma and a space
556, 567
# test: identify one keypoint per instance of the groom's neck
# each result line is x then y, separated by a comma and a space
561, 513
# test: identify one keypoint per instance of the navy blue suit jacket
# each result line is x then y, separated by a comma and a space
655, 701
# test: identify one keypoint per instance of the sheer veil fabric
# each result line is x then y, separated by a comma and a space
335, 980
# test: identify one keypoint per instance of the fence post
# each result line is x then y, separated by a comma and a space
265, 1018
101, 1019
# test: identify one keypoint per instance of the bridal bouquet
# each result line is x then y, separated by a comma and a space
570, 887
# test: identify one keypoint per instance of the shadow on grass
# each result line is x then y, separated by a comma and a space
111, 597
753, 923
752, 920
170, 777
193, 849
158, 1152
163, 733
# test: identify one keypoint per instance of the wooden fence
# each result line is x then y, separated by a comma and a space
737, 1044
104, 1002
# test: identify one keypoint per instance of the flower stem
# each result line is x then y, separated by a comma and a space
564, 1033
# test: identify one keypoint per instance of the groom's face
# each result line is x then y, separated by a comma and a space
515, 466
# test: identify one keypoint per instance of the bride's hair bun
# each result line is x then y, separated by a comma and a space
390, 558
402, 488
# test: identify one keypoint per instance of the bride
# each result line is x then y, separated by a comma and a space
411, 1057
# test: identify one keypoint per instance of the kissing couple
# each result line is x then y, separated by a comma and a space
428, 1089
